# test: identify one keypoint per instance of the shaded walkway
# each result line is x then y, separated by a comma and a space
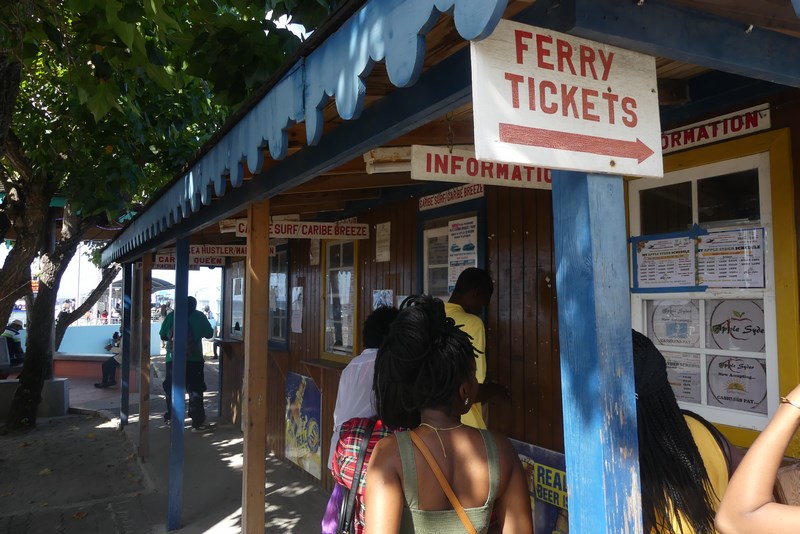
79, 473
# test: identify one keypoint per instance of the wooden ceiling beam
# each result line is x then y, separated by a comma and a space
346, 182
320, 207
322, 198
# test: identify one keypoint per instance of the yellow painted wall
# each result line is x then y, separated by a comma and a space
777, 143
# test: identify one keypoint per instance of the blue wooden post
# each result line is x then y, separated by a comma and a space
594, 326
180, 327
127, 310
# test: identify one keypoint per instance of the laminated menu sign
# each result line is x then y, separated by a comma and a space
665, 262
732, 258
737, 383
700, 259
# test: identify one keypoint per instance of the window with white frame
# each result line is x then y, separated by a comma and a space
450, 245
718, 335
235, 283
278, 296
340, 297
435, 261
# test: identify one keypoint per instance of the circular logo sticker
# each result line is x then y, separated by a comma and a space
675, 322
738, 383
736, 325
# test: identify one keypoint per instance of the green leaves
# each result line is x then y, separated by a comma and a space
131, 12
117, 95
102, 101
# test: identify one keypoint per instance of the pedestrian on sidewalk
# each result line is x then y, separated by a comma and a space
111, 364
199, 328
14, 341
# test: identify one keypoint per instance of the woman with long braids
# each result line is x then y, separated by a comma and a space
684, 461
425, 380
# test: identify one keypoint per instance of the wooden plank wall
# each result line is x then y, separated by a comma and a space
399, 273
522, 328
522, 321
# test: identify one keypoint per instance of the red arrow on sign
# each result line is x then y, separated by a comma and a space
524, 135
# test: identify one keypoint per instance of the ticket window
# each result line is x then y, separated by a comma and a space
703, 285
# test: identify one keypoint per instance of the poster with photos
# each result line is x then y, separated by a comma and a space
382, 298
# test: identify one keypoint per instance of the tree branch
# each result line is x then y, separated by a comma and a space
16, 156
10, 75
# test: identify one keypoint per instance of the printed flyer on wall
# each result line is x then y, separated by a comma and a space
463, 253
665, 262
303, 407
732, 258
547, 483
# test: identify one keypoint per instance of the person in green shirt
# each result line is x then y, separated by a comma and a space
199, 328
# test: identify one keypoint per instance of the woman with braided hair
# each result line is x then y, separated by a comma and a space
684, 461
425, 380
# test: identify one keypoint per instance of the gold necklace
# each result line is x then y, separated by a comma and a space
436, 431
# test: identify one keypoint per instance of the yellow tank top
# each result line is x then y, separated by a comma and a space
716, 467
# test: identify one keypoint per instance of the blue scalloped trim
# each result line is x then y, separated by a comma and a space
382, 30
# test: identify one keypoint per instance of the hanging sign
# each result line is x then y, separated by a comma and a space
167, 261
724, 127
241, 228
199, 256
461, 193
441, 164
558, 101
323, 230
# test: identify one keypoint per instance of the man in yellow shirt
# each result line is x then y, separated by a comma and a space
471, 294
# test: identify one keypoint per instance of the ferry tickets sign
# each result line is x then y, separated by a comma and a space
441, 164
563, 102
719, 128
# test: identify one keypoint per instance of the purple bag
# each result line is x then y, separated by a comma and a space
330, 521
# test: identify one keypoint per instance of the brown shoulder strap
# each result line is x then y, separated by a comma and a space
462, 515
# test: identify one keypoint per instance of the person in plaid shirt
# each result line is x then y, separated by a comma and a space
354, 400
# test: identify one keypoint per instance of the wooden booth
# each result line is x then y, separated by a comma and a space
357, 181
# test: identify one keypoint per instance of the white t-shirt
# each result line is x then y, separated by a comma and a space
355, 394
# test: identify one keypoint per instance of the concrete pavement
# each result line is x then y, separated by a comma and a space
80, 473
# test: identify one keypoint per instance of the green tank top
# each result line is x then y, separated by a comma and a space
419, 521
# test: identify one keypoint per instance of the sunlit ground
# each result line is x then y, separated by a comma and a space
292, 501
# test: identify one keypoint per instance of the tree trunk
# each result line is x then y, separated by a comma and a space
66, 319
25, 207
38, 350
9, 88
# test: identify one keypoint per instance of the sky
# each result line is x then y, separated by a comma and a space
81, 277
